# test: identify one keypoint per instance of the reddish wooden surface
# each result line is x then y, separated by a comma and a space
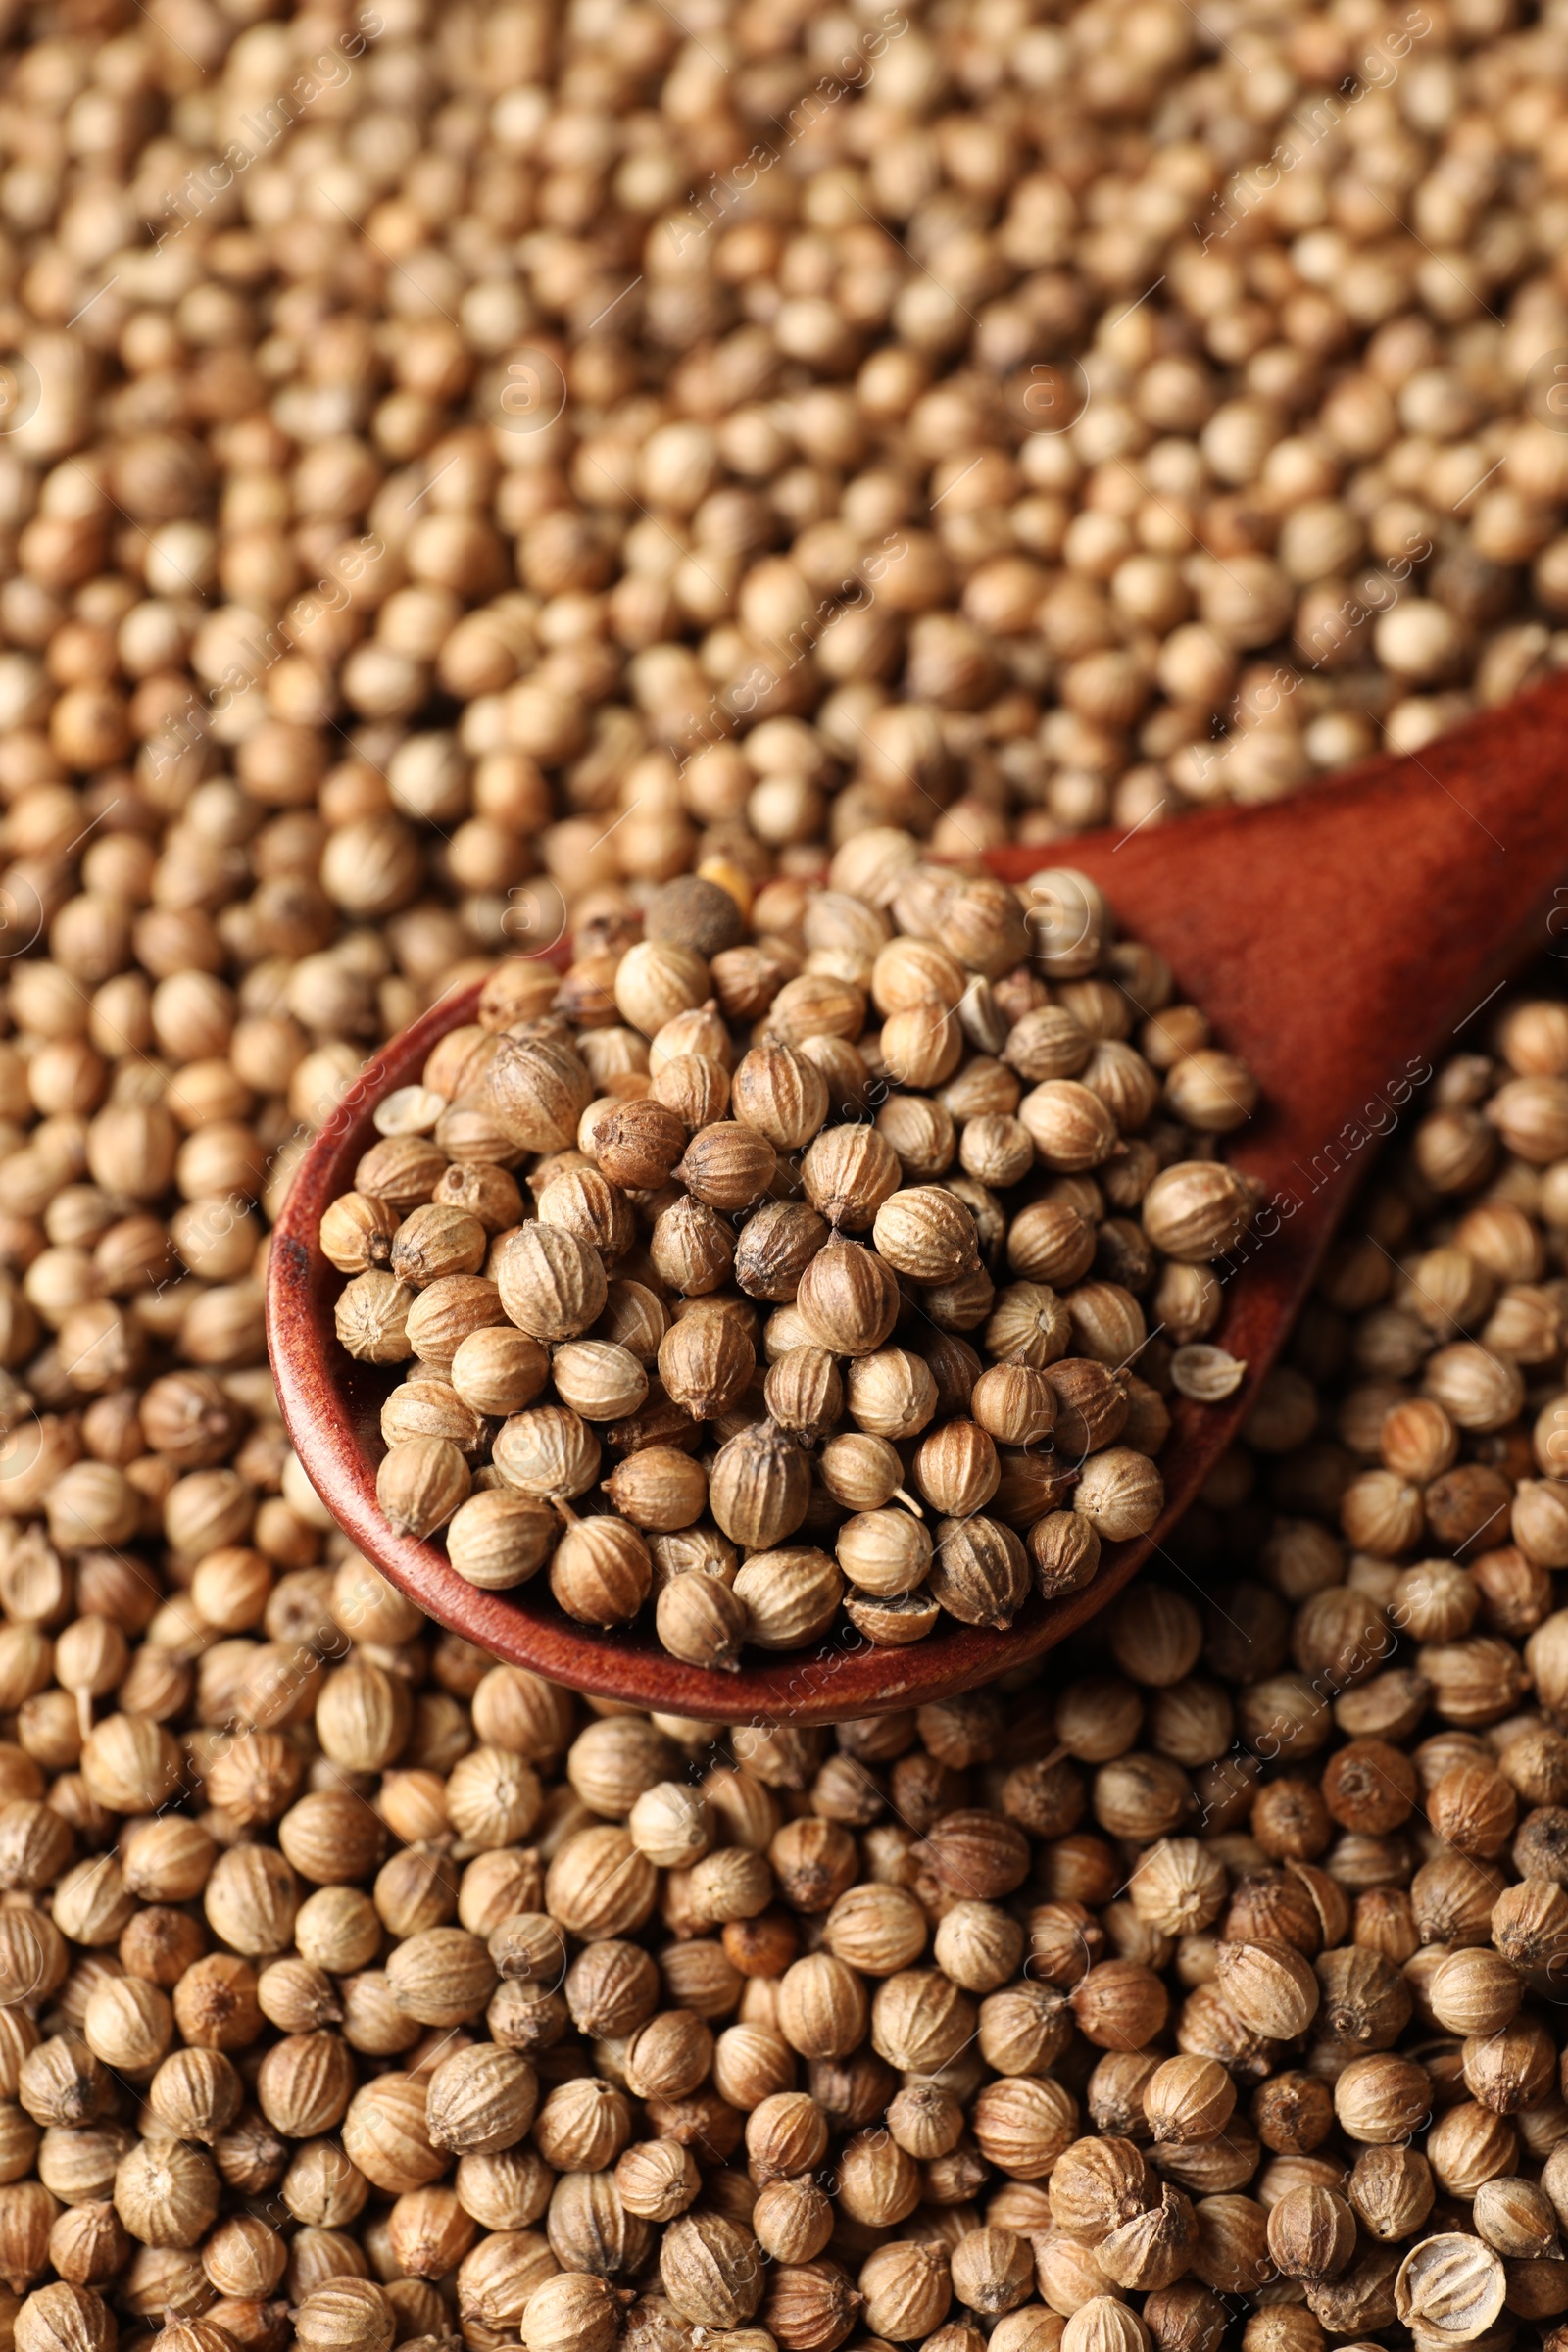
1341, 941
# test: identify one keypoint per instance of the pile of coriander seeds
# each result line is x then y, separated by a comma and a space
642, 440
1200, 1989
399, 1998
679, 1252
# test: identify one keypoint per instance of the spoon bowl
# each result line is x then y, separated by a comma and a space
1341, 942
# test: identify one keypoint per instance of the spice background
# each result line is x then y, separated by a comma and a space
461, 470
530, 456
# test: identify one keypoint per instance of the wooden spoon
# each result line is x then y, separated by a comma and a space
1342, 942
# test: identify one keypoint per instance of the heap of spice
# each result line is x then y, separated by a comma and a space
531, 451
1200, 1989
359, 1993
845, 1265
